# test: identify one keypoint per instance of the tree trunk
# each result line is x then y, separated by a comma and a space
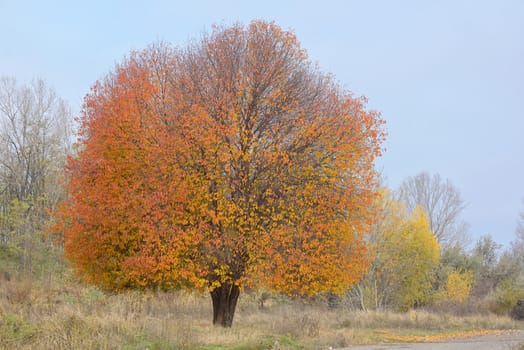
224, 304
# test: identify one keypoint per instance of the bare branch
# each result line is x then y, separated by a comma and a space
443, 205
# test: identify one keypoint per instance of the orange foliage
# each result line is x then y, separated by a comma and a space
233, 161
441, 337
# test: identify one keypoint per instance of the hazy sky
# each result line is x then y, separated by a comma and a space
448, 76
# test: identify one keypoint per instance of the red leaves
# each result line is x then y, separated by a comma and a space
234, 160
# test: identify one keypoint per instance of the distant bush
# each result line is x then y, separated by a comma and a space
32, 257
505, 297
518, 310
458, 287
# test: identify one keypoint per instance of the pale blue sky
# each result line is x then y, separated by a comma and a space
448, 76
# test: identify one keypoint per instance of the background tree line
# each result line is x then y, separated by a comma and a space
422, 256
35, 139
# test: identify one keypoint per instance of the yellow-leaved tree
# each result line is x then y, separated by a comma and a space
406, 253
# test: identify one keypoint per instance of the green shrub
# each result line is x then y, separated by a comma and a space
505, 297
15, 331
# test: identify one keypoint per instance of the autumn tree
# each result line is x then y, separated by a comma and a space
443, 205
231, 162
404, 255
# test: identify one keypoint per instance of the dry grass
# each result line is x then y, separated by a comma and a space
69, 315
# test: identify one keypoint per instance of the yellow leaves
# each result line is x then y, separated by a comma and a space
221, 275
423, 240
458, 287
406, 252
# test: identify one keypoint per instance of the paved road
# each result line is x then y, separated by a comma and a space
509, 341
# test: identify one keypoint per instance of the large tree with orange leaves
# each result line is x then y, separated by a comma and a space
232, 162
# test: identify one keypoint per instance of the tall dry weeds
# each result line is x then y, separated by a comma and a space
38, 315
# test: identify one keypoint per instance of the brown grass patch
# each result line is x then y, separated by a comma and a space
70, 315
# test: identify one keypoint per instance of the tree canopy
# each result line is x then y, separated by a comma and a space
231, 162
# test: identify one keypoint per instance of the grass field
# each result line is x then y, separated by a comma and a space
65, 314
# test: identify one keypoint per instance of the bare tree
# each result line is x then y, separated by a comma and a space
517, 245
443, 205
485, 258
34, 140
520, 227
